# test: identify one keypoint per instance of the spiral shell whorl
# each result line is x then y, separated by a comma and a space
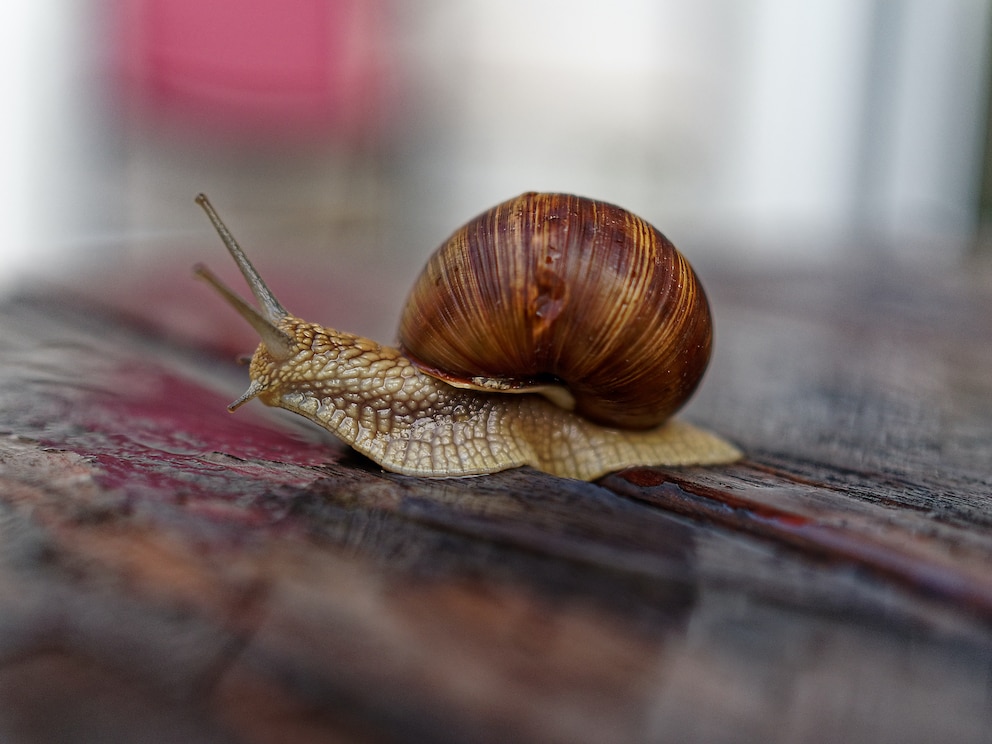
556, 288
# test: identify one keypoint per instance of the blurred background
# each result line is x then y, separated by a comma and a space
348, 134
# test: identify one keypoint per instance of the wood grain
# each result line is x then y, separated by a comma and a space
170, 572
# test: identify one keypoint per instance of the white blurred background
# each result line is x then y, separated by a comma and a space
746, 130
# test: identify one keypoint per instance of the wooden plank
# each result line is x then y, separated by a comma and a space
171, 572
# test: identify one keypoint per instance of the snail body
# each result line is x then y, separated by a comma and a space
498, 366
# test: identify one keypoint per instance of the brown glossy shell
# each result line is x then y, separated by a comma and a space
553, 288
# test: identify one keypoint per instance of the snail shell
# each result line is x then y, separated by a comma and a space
550, 331
553, 289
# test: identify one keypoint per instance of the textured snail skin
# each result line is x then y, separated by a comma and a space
374, 398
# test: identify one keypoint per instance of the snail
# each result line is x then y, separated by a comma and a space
552, 331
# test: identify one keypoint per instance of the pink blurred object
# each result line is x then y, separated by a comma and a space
258, 69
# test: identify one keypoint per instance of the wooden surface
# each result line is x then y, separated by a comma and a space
170, 572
